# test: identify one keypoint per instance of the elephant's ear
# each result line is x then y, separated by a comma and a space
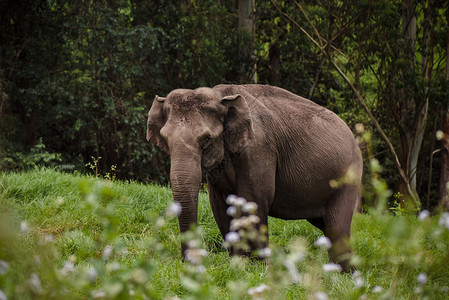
156, 121
238, 128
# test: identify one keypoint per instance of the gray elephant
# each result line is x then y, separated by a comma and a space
265, 144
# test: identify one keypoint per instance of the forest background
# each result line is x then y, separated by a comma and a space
77, 78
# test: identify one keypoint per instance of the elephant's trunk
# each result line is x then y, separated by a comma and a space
185, 177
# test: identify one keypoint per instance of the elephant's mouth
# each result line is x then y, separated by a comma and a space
208, 163
211, 157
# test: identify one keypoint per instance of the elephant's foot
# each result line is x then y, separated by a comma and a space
340, 253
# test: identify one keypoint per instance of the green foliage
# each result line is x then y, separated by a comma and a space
77, 237
83, 74
37, 156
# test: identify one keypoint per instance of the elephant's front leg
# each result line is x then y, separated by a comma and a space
252, 234
255, 181
219, 207
255, 232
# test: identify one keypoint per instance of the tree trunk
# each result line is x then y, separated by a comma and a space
246, 22
412, 132
246, 14
275, 64
417, 142
444, 172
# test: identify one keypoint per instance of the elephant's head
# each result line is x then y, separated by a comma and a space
196, 127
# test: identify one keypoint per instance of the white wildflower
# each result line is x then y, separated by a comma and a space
231, 199
323, 242
92, 274
193, 244
358, 279
132, 293
244, 222
59, 201
264, 253
253, 219
295, 277
232, 237
24, 227
114, 266
422, 279
377, 289
123, 251
195, 256
234, 200
98, 294
239, 201
231, 211
37, 260
35, 283
423, 215
107, 252
67, 268
321, 296
200, 269
298, 251
331, 267
160, 222
359, 128
249, 207
3, 296
48, 238
236, 224
290, 264
444, 220
359, 282
139, 275
439, 135
174, 209
298, 256
4, 267
256, 292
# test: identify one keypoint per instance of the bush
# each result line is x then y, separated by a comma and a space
37, 156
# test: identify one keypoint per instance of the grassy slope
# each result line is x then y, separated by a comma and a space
54, 204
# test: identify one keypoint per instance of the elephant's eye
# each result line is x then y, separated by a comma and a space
205, 141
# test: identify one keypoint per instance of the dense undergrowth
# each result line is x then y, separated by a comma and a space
69, 236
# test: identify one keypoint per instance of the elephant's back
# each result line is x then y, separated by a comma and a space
275, 101
280, 108
286, 116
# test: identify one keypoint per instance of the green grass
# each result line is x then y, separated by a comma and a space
72, 218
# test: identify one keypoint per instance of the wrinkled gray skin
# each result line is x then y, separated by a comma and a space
262, 143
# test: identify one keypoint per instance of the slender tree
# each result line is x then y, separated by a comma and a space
444, 171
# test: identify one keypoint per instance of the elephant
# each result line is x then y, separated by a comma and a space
265, 144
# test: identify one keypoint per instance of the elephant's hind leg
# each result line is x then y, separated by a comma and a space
337, 224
